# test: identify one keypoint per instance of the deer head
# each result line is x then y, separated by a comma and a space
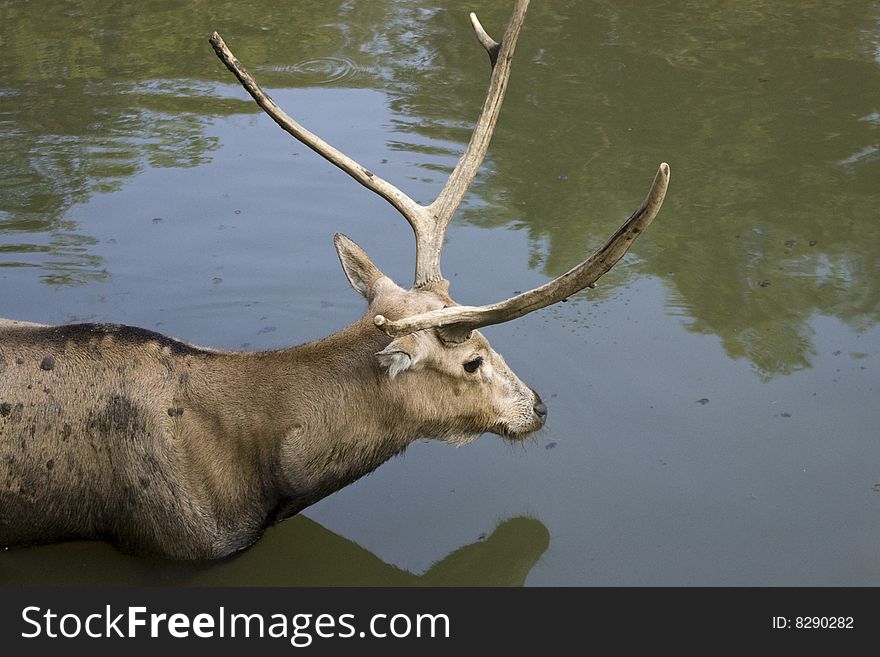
431, 335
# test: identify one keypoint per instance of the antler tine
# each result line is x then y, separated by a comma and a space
414, 213
442, 209
490, 44
456, 322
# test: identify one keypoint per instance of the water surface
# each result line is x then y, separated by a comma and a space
712, 404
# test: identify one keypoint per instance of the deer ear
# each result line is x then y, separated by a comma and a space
399, 356
358, 268
394, 361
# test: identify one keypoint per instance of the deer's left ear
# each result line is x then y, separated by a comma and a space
358, 268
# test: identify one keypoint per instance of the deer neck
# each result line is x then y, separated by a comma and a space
334, 415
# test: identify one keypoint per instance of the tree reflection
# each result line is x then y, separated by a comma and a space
768, 116
93, 91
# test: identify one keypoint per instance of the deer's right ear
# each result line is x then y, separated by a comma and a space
400, 355
394, 361
358, 268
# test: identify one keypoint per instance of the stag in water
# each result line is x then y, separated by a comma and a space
161, 447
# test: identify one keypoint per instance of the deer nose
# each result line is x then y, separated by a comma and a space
540, 409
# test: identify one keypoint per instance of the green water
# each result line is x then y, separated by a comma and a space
713, 415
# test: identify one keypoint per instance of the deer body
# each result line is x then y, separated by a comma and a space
171, 449
161, 447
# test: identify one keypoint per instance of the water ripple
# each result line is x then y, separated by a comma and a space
320, 70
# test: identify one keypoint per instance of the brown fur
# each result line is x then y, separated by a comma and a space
161, 447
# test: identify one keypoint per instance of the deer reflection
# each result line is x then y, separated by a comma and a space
298, 552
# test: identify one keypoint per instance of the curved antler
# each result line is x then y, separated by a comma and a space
429, 222
456, 322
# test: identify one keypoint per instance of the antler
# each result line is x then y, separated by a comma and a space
429, 222
455, 323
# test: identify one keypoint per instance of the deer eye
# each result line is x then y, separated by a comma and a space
473, 365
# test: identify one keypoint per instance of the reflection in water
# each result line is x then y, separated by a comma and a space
298, 552
96, 135
94, 91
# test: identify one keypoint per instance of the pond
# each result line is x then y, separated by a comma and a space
713, 414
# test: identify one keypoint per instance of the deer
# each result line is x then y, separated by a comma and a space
163, 448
